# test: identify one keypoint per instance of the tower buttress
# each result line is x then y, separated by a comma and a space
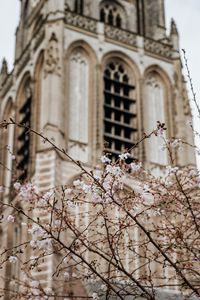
154, 15
174, 35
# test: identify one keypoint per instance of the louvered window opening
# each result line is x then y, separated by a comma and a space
78, 7
119, 116
23, 151
111, 16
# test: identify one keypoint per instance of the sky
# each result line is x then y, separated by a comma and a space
186, 14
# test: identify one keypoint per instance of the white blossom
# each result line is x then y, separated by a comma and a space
37, 230
159, 132
135, 167
68, 191
116, 171
103, 287
146, 188
71, 204
171, 170
1, 189
77, 183
95, 296
12, 259
17, 186
105, 160
11, 219
66, 275
33, 244
124, 156
57, 223
47, 196
44, 244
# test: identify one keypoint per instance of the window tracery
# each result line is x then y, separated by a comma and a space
120, 123
112, 14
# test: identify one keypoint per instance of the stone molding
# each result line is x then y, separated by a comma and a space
158, 48
7, 84
121, 35
82, 22
24, 59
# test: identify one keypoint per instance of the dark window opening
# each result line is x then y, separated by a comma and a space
78, 8
111, 14
110, 18
118, 21
102, 15
23, 151
119, 131
117, 88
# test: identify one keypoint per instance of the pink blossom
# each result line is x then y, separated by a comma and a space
17, 186
135, 167
159, 132
10, 219
171, 170
116, 171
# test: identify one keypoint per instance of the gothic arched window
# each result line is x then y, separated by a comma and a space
112, 14
154, 111
120, 123
78, 104
23, 138
78, 7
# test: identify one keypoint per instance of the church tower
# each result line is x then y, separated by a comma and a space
92, 76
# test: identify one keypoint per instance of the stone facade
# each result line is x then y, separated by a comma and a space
63, 48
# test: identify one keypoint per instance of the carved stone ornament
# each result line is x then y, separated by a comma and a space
158, 48
121, 35
82, 22
52, 60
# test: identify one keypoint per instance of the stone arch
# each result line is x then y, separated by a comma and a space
80, 115
156, 107
24, 105
112, 13
120, 105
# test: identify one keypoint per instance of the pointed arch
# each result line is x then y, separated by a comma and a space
120, 102
156, 107
23, 116
80, 108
